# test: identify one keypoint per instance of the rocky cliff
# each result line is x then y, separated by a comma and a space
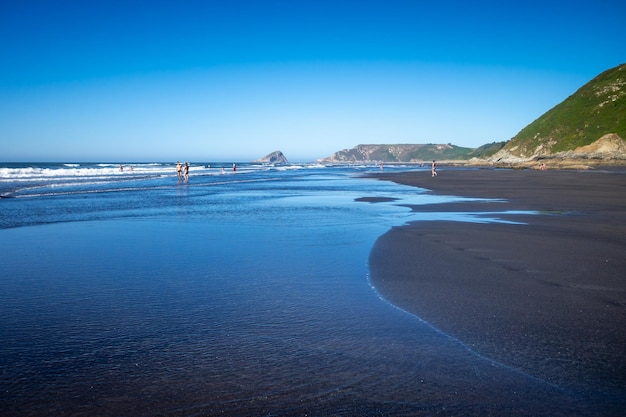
610, 149
276, 157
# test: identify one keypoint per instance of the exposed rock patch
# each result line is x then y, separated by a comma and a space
610, 149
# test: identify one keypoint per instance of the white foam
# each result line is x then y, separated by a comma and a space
80, 171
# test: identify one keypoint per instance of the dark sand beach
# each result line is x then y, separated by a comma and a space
547, 296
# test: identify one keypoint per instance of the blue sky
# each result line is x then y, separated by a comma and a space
236, 80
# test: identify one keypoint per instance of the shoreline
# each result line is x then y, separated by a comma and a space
546, 296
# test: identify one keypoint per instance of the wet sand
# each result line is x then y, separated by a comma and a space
547, 296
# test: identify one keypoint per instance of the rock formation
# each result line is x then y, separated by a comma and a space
276, 157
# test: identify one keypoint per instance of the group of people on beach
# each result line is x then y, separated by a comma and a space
183, 171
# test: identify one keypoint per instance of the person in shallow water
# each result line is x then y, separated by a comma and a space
186, 171
179, 170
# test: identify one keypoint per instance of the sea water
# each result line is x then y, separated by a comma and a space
126, 291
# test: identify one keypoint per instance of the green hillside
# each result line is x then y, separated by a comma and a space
597, 108
429, 152
401, 153
486, 151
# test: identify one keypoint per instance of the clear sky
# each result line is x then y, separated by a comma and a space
235, 80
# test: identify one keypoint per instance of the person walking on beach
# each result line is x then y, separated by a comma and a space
186, 171
179, 170
433, 169
234, 167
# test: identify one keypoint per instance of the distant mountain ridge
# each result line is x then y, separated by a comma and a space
410, 153
588, 127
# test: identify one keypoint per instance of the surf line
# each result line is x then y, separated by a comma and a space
127, 189
493, 362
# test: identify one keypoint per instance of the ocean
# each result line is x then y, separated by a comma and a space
126, 291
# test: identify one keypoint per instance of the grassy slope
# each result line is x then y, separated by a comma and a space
597, 108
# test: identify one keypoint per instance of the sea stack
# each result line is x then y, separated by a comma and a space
276, 157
